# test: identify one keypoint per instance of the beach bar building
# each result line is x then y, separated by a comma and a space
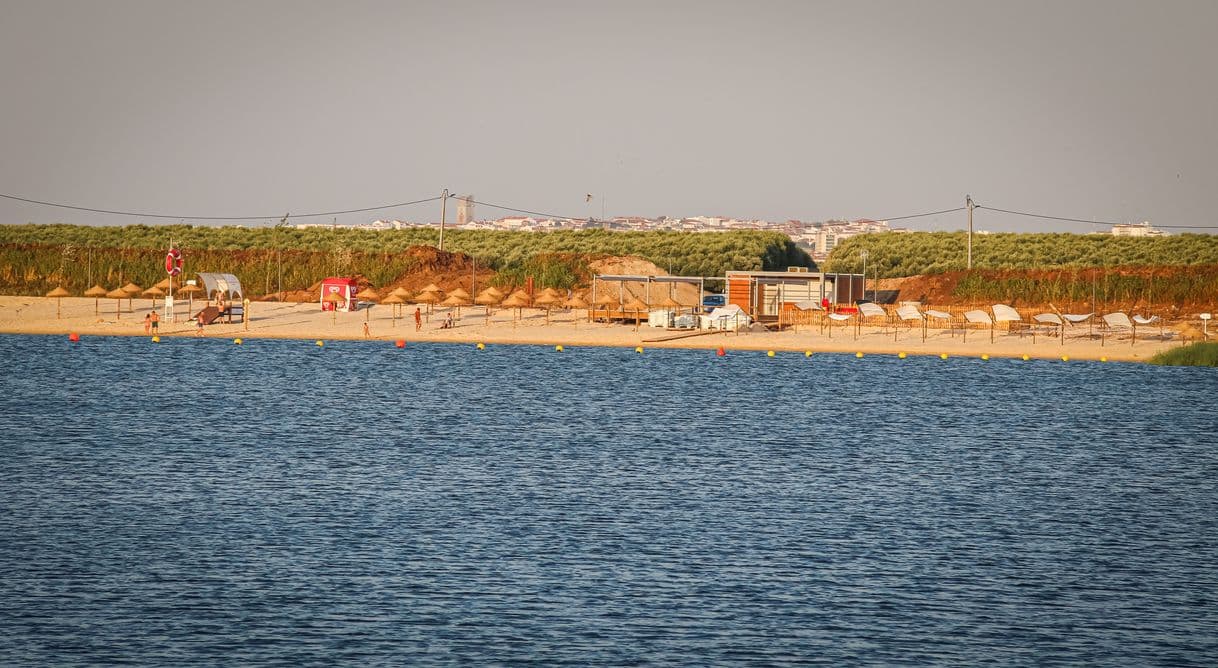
343, 287
765, 295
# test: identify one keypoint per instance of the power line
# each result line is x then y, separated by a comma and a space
277, 216
921, 215
531, 213
1093, 222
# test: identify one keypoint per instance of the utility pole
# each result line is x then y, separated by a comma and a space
968, 202
443, 215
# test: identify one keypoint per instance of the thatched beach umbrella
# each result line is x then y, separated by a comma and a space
488, 298
430, 298
152, 293
132, 290
370, 295
457, 301
459, 292
394, 301
58, 293
190, 291
403, 294
118, 295
492, 290
549, 292
576, 303
517, 301
636, 305
334, 299
547, 302
96, 292
431, 287
166, 283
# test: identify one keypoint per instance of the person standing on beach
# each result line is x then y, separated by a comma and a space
367, 332
156, 321
199, 324
147, 323
418, 319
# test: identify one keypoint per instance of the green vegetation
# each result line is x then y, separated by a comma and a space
892, 254
1175, 285
36, 258
1197, 354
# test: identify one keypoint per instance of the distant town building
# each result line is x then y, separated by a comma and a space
1144, 229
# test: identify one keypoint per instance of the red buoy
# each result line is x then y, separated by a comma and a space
720, 352
74, 337
400, 343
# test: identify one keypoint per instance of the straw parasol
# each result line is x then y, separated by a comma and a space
429, 297
549, 292
132, 290
488, 298
393, 300
96, 292
459, 293
368, 294
547, 302
518, 300
190, 291
165, 284
118, 295
457, 301
58, 293
335, 299
574, 303
152, 293
636, 305
403, 294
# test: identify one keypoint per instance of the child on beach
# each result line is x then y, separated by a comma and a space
199, 324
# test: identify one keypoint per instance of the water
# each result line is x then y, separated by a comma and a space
200, 502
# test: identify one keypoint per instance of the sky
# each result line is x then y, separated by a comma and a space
1099, 110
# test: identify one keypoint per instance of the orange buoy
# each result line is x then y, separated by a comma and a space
400, 343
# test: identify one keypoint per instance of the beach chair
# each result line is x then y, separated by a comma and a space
909, 314
977, 317
1014, 321
1051, 324
1141, 321
1117, 323
869, 311
811, 307
842, 318
940, 316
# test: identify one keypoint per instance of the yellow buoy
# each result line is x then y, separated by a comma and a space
320, 343
638, 349
807, 353
1026, 358
901, 356
1103, 359
769, 353
859, 355
942, 356
481, 346
985, 357
237, 341
156, 339
558, 349
1065, 358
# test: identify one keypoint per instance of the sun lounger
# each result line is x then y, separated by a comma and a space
1142, 321
870, 311
1014, 321
1051, 324
940, 317
1117, 323
978, 318
909, 314
839, 317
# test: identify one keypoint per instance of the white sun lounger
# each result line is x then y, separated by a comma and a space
839, 317
1004, 313
978, 318
1118, 323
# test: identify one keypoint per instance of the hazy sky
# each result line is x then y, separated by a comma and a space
774, 110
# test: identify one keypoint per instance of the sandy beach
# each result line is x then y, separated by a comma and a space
306, 321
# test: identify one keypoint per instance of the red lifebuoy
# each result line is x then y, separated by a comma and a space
173, 262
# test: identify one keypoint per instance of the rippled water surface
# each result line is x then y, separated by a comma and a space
200, 502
